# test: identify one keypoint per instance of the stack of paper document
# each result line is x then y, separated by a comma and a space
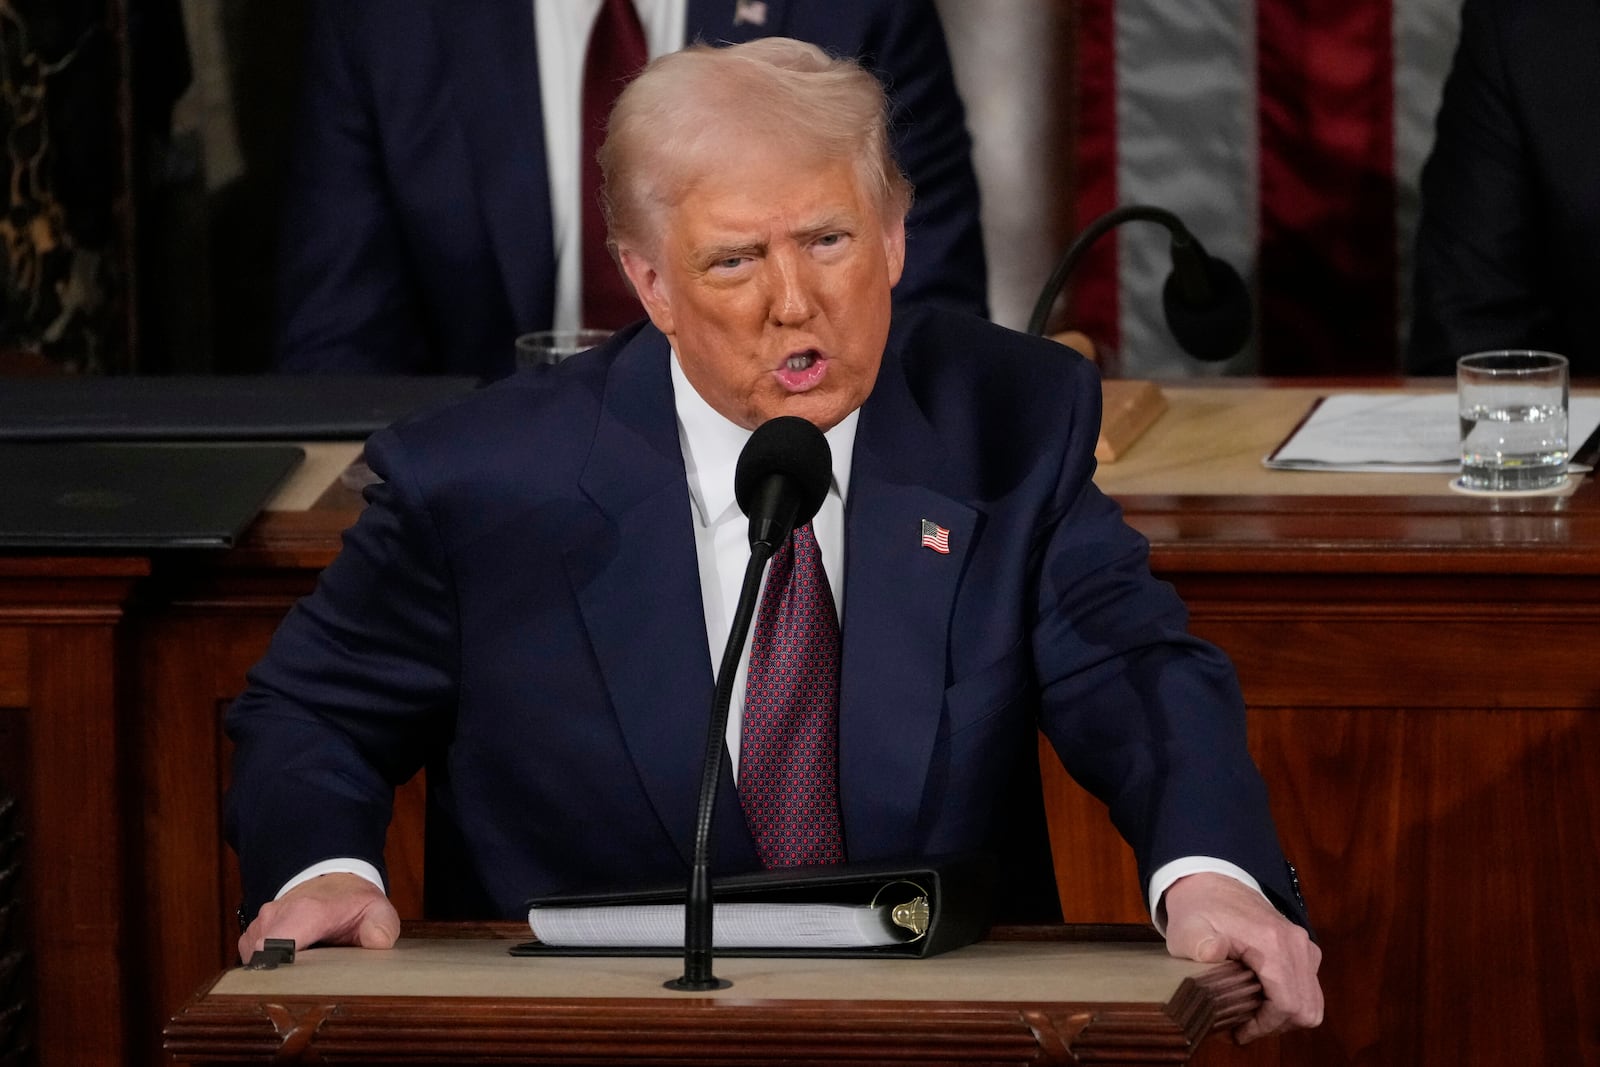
733, 925
1395, 432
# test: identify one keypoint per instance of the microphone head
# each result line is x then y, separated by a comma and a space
1217, 323
785, 464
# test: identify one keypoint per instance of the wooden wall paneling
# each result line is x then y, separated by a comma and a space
76, 890
1454, 641
1439, 841
207, 626
1431, 743
182, 823
13, 667
202, 632
1096, 874
62, 618
17, 984
1338, 781
1447, 856
1509, 916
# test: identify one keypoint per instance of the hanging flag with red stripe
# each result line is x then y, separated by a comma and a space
1288, 137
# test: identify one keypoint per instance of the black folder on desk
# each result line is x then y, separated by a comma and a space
265, 407
957, 892
76, 496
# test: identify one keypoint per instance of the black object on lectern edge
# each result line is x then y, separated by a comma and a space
959, 889
267, 407
135, 496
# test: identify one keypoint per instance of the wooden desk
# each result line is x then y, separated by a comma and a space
1047, 997
1443, 808
1424, 699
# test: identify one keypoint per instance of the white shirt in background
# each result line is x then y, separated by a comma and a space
561, 31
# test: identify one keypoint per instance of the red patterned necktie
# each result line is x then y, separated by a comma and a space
789, 739
617, 51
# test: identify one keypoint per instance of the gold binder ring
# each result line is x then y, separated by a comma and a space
912, 914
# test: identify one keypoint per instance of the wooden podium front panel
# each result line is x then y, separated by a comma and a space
195, 653
1424, 705
62, 723
1044, 999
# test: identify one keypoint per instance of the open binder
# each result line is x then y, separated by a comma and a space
953, 896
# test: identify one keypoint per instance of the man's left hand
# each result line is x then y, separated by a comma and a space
1211, 918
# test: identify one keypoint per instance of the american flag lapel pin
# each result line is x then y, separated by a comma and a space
752, 12
935, 537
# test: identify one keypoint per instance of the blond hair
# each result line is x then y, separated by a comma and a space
689, 109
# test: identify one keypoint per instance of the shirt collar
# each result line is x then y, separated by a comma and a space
711, 446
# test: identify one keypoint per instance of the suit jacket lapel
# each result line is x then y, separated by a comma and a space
641, 601
495, 58
898, 598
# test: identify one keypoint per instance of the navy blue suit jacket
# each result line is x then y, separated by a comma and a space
1508, 244
416, 235
518, 608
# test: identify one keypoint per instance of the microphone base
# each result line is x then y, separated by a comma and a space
685, 984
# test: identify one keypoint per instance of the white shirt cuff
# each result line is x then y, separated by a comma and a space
1168, 873
341, 865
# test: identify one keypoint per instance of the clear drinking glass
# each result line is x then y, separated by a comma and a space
1513, 406
553, 346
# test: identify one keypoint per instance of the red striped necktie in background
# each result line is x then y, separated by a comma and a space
617, 51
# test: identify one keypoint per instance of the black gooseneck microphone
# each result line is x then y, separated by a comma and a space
1206, 303
780, 481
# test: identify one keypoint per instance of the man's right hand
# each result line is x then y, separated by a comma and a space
332, 909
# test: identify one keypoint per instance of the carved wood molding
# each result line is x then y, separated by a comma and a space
386, 1030
704, 1030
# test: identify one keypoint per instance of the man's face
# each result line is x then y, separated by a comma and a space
772, 277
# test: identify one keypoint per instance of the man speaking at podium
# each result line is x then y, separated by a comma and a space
533, 600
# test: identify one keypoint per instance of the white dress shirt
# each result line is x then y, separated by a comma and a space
711, 446
561, 30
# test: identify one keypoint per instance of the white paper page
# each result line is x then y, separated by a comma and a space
1395, 433
733, 925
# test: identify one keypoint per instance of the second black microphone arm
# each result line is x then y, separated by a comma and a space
1206, 303
1086, 238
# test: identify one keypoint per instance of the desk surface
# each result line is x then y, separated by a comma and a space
1092, 972
1193, 485
1211, 441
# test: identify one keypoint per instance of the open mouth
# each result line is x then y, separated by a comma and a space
802, 370
801, 361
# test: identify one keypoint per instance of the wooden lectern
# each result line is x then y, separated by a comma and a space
452, 994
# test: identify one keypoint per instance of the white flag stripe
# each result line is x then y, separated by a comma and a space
1186, 141
1425, 33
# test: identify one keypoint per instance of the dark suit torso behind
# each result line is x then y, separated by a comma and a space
417, 232
1508, 245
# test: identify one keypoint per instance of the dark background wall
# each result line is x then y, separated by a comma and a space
213, 188
65, 235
